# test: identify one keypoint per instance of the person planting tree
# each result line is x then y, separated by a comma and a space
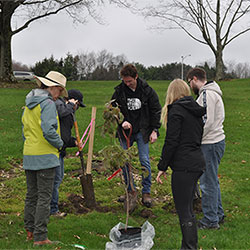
141, 109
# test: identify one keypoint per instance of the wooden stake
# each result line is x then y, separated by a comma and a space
91, 142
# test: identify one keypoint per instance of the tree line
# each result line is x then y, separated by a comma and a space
104, 65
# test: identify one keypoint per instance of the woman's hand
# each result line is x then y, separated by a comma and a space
158, 178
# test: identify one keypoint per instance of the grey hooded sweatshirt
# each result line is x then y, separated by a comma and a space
210, 95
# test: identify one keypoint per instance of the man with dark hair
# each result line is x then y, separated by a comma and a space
141, 109
213, 146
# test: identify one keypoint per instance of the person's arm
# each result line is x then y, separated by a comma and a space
172, 139
49, 123
64, 108
117, 102
210, 110
155, 116
154, 110
68, 139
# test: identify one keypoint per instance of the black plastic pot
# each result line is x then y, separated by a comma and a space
130, 238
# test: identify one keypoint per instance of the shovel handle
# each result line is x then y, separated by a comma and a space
127, 137
78, 143
77, 135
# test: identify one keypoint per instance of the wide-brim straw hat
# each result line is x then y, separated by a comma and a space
53, 78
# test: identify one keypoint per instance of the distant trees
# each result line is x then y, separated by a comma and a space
84, 66
19, 66
163, 72
104, 65
215, 23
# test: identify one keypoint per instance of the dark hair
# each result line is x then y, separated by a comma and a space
198, 72
129, 70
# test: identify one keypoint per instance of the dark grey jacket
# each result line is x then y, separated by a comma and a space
65, 113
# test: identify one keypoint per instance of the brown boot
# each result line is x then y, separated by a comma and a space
132, 202
147, 200
43, 242
29, 235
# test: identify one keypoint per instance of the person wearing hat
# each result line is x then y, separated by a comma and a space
42, 141
66, 108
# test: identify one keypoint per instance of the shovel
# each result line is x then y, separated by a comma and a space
86, 178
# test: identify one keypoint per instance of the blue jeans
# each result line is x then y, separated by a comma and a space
143, 150
59, 173
209, 184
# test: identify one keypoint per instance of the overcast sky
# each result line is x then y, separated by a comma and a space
125, 33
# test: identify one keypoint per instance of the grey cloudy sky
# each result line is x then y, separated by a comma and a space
124, 33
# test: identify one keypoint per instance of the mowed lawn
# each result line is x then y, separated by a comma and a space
92, 229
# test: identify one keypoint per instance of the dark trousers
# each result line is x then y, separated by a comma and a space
37, 202
183, 187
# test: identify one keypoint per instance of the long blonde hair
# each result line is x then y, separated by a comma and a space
176, 90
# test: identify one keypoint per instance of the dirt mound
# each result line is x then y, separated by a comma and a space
76, 205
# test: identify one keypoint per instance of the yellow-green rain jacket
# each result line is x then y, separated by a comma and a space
41, 131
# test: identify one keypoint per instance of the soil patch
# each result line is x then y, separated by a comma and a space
147, 213
76, 205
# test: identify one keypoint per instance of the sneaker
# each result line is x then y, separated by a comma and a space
43, 242
211, 226
222, 220
147, 200
132, 202
59, 214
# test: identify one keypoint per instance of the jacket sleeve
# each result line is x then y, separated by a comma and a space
154, 110
172, 139
64, 108
49, 123
211, 102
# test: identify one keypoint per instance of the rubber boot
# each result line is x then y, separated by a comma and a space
189, 234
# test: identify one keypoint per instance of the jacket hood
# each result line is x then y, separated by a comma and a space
35, 97
191, 106
213, 86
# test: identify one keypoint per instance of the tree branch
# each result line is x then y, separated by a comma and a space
44, 15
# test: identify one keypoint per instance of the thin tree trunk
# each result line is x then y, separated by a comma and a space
219, 66
218, 54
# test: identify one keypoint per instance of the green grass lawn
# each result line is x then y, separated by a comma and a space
92, 229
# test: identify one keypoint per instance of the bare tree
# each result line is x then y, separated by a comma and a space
242, 70
86, 64
19, 66
104, 58
214, 23
29, 11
